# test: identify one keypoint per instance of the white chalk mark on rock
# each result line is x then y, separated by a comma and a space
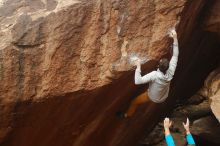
135, 56
123, 49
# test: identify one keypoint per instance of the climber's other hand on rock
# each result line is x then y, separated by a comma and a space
137, 62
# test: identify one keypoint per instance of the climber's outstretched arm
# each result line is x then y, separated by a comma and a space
174, 59
138, 79
175, 44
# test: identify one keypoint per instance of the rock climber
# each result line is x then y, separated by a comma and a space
169, 138
159, 81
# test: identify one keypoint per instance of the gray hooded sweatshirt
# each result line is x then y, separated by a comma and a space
159, 83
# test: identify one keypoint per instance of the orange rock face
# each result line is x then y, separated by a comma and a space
64, 72
73, 45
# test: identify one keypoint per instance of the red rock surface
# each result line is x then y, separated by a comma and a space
63, 73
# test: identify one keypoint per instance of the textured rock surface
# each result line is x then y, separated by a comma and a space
69, 46
212, 22
64, 72
50, 48
211, 90
207, 129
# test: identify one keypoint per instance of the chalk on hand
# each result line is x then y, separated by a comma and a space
170, 30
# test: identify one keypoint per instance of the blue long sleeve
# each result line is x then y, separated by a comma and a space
169, 140
190, 139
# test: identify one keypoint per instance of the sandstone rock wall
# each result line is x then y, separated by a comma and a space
57, 47
64, 72
51, 48
211, 91
212, 22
